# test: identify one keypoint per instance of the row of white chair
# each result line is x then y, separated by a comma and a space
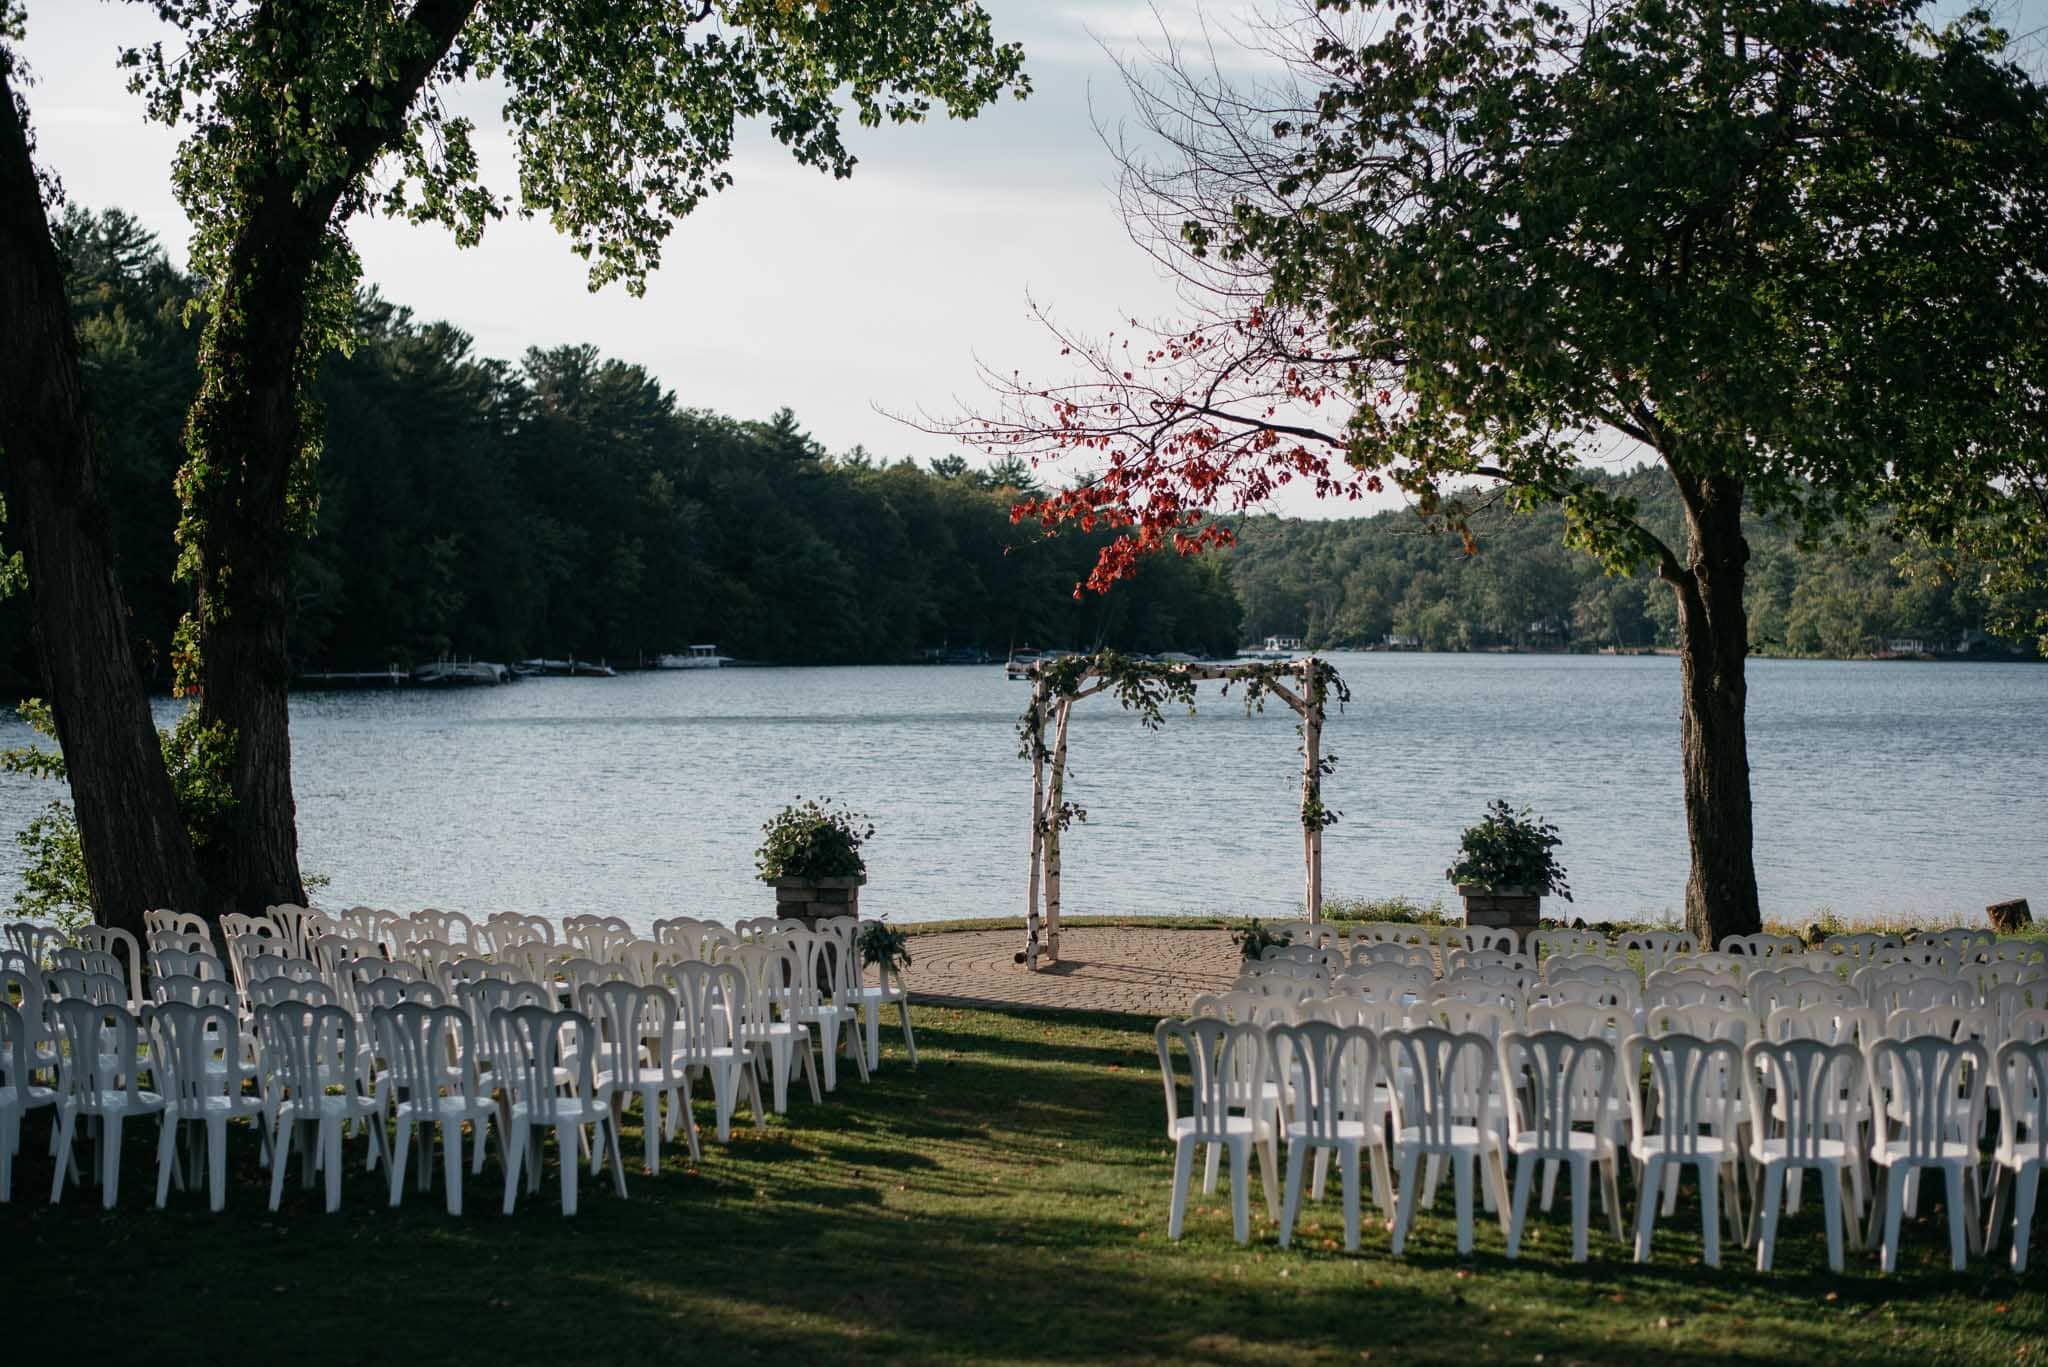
1557, 1098
410, 1059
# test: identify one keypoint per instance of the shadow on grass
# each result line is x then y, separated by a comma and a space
978, 1212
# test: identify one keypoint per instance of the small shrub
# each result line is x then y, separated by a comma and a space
884, 946
809, 839
1511, 852
1254, 937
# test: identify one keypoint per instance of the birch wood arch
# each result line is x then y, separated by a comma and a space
1306, 685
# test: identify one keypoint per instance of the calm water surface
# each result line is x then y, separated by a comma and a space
1880, 787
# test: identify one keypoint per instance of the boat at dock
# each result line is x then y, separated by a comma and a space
698, 657
564, 669
461, 673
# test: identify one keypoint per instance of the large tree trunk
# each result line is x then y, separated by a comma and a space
247, 433
1713, 637
138, 855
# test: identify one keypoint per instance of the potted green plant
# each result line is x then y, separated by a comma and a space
884, 947
810, 854
1254, 937
1506, 865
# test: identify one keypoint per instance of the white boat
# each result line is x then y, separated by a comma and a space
452, 673
700, 657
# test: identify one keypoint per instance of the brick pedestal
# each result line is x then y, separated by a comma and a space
1513, 910
811, 900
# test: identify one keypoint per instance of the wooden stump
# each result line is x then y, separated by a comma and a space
2008, 917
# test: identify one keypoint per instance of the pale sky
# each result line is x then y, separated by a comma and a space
830, 297
790, 288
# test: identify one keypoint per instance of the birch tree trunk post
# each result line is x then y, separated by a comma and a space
1036, 740
1312, 789
1055, 812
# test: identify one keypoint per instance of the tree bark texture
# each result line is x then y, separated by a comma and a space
1713, 634
138, 855
248, 423
247, 432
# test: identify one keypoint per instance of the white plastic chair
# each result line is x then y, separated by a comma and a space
708, 1000
315, 1083
200, 1072
1443, 1109
1545, 945
99, 1075
2022, 1152
636, 1040
530, 1045
1763, 946
1220, 1058
1692, 1080
118, 942
1557, 1083
1801, 1083
1338, 1108
1657, 948
18, 1092
812, 998
431, 1082
1935, 1088
887, 990
765, 965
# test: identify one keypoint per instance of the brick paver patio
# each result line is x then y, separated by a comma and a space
1149, 971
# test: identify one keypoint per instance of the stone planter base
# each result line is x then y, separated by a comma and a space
811, 900
1503, 910
2007, 917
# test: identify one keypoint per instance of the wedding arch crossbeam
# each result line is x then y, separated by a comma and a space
1306, 685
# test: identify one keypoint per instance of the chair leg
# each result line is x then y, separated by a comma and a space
1648, 1192
1611, 1182
1582, 1175
514, 1140
1269, 1174
1549, 1183
1518, 1205
217, 1164
1240, 1184
2027, 1185
1382, 1182
1183, 1173
330, 1133
166, 1158
1462, 1165
871, 1020
909, 1039
1290, 1209
1958, 1223
1710, 1211
1831, 1210
401, 1154
680, 1101
1894, 1210
280, 1150
1347, 1162
1212, 1164
1772, 1196
1404, 1201
566, 1152
451, 1164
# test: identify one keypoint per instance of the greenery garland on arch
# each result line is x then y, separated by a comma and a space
1147, 687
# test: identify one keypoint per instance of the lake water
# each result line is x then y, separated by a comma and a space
1880, 787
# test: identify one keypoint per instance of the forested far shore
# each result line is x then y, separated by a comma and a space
567, 504
1388, 580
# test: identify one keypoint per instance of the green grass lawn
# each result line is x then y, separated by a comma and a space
1006, 1202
